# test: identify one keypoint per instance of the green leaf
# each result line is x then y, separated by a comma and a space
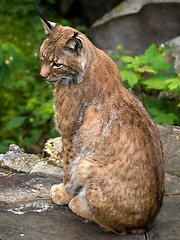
130, 77
145, 68
120, 48
155, 83
127, 59
31, 103
166, 118
15, 122
173, 83
1, 56
46, 111
154, 111
4, 73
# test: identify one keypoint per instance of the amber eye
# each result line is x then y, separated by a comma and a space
56, 65
41, 55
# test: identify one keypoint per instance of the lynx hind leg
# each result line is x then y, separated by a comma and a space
59, 195
79, 206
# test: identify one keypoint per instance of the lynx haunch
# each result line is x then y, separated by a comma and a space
113, 160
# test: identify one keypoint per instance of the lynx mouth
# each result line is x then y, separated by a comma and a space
51, 81
63, 80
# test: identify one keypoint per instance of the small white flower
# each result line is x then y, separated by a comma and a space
11, 58
7, 62
162, 45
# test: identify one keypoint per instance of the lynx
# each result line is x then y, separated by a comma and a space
113, 159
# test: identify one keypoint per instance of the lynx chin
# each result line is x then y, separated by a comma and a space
113, 158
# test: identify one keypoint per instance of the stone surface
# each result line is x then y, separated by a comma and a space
174, 54
53, 151
1, 157
29, 214
27, 211
170, 137
128, 7
137, 24
16, 159
52, 163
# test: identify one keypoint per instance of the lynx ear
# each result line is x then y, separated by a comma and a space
48, 26
75, 43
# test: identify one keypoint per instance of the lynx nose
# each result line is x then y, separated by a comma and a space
44, 71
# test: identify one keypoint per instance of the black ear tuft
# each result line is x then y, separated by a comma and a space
41, 17
39, 11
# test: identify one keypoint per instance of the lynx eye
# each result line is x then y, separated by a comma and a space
56, 65
41, 55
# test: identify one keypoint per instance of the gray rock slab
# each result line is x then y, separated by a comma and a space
21, 188
136, 25
16, 159
174, 53
1, 157
170, 137
168, 220
60, 223
27, 212
128, 8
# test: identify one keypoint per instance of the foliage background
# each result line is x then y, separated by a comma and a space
26, 112
26, 109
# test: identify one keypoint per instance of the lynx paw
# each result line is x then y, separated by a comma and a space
59, 194
79, 206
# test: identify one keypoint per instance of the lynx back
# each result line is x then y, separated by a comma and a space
113, 160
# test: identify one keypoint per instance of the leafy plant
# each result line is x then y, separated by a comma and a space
153, 80
26, 110
26, 107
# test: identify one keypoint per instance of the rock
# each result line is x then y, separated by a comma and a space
172, 185
19, 189
26, 207
1, 157
174, 53
52, 162
170, 137
16, 159
27, 211
47, 168
137, 24
53, 151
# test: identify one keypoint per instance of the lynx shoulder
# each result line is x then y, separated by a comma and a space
113, 159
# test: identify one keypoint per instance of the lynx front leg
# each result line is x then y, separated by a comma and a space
58, 193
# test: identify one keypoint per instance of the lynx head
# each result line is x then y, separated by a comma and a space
62, 54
